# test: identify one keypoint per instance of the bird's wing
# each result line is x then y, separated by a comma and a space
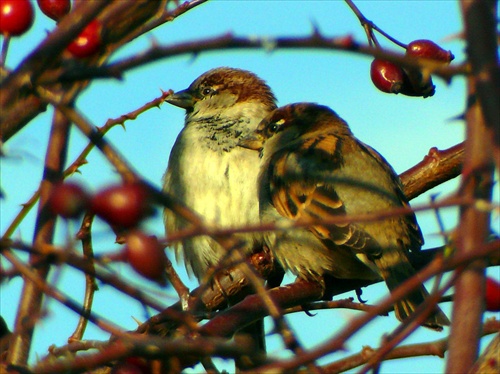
300, 190
415, 234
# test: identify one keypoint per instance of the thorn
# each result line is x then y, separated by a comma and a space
316, 33
453, 37
459, 117
137, 321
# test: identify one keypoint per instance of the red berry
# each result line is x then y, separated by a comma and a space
386, 76
55, 9
492, 295
68, 200
146, 255
88, 42
16, 16
123, 205
428, 49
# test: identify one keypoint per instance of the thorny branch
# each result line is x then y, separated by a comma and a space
435, 348
35, 80
219, 325
19, 102
336, 343
229, 41
151, 347
480, 19
43, 288
477, 181
85, 235
81, 159
31, 298
59, 256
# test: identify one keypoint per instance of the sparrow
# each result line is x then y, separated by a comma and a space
207, 170
313, 168
209, 173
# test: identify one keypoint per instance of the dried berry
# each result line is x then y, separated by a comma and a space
16, 16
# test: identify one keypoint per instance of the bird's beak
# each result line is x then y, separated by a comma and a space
253, 141
183, 99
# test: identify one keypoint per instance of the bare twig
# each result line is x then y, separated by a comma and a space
480, 21
81, 159
84, 234
12, 100
31, 297
435, 348
149, 347
363, 217
230, 42
72, 259
44, 288
338, 341
407, 327
19, 102
369, 26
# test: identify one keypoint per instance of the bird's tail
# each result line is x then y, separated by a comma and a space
395, 269
255, 332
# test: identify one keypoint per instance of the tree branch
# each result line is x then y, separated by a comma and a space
437, 167
435, 348
229, 41
474, 226
31, 295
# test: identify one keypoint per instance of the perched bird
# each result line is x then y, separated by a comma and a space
313, 167
210, 174
207, 171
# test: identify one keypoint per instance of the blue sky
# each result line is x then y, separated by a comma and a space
403, 129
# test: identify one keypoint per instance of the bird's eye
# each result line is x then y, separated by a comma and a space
273, 127
207, 91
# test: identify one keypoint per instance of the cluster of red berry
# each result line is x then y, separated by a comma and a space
123, 207
392, 78
16, 17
